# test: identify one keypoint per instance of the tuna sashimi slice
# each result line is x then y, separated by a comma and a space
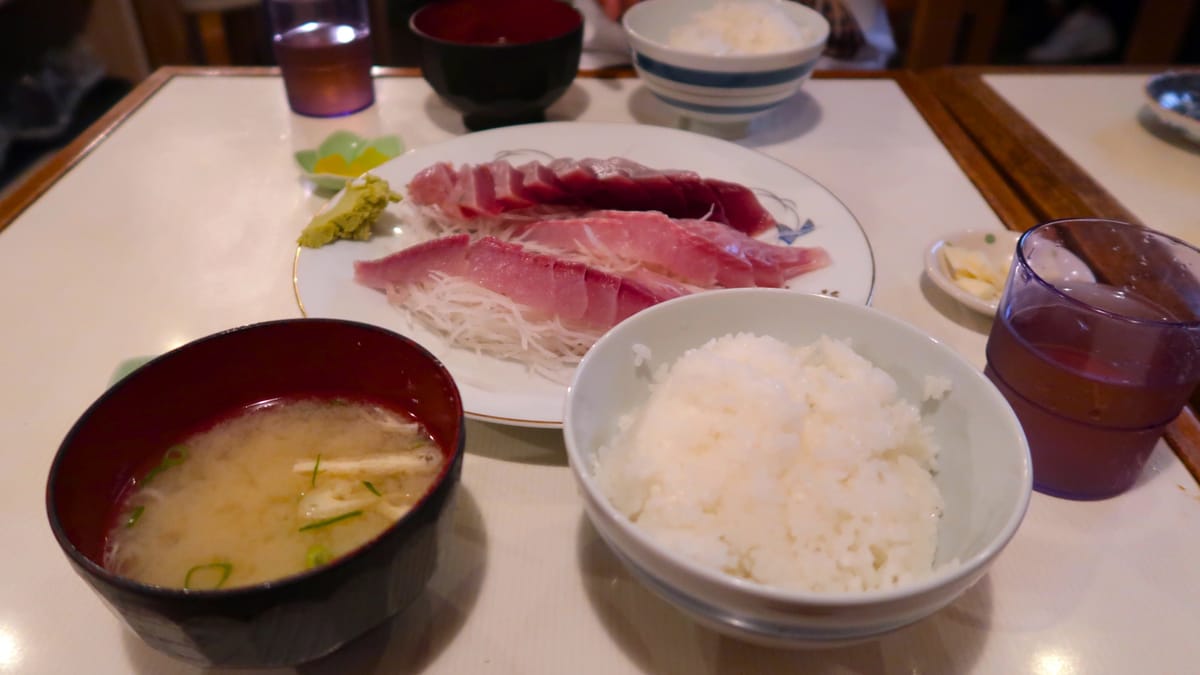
773, 265
433, 184
741, 206
539, 185
477, 192
614, 183
509, 187
549, 286
415, 264
530, 278
644, 237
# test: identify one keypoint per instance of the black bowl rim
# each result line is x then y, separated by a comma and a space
412, 25
274, 585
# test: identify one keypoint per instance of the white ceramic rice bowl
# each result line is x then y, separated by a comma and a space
984, 472
719, 89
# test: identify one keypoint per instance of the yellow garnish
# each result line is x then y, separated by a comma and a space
369, 159
334, 164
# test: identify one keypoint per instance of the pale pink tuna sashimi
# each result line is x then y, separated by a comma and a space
573, 291
644, 237
699, 252
415, 264
616, 183
773, 265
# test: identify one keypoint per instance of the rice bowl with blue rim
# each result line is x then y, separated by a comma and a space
713, 87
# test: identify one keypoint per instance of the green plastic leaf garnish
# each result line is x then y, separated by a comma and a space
223, 568
331, 521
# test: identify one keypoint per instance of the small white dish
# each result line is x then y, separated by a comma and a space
1174, 98
997, 247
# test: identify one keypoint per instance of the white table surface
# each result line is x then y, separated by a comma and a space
182, 223
1099, 121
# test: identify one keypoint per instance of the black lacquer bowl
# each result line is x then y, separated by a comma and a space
297, 618
499, 63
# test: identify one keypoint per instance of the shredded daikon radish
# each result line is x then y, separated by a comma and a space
486, 322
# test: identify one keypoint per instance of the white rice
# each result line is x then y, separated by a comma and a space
936, 387
641, 355
794, 467
740, 27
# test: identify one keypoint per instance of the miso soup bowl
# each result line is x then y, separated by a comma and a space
290, 620
983, 474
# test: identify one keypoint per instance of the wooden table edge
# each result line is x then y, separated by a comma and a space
32, 186
1012, 210
1049, 181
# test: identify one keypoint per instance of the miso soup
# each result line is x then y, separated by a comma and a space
271, 492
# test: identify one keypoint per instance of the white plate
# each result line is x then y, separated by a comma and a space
505, 392
997, 247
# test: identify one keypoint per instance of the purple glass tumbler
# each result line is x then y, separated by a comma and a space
324, 52
1096, 345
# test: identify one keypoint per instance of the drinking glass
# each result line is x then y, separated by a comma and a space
1096, 345
324, 52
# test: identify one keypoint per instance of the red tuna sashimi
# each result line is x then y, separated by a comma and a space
644, 237
772, 265
573, 291
509, 187
539, 185
598, 184
657, 186
433, 184
415, 263
475, 192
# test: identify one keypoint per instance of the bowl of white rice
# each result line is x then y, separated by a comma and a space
724, 61
791, 469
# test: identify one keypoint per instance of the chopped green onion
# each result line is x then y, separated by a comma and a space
224, 568
134, 515
991, 238
317, 555
331, 521
340, 401
174, 456
316, 468
372, 488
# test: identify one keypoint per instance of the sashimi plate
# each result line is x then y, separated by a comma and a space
507, 392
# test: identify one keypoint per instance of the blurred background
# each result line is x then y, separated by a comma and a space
63, 63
